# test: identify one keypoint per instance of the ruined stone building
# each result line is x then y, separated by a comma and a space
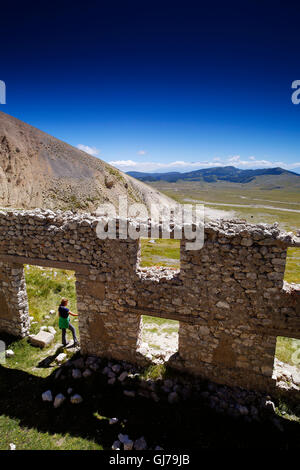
229, 297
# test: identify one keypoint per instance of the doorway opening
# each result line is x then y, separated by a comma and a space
45, 289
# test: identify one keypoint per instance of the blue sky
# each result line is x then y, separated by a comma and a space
158, 86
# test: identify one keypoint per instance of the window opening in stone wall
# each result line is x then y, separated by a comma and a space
287, 363
45, 289
160, 252
159, 338
292, 267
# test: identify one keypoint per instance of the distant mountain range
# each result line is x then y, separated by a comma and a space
212, 175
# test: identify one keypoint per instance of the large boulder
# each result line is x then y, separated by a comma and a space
42, 339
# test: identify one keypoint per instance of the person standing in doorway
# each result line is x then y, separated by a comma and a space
64, 321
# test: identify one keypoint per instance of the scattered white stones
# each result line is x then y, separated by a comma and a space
12, 446
52, 330
113, 420
237, 403
61, 358
58, 401
47, 396
9, 353
269, 405
52, 312
76, 399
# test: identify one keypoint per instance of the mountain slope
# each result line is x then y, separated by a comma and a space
38, 170
228, 173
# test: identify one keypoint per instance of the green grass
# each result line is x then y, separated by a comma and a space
292, 269
286, 350
163, 252
27, 438
155, 325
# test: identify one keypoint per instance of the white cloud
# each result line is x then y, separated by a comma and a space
182, 165
295, 165
91, 150
141, 152
234, 159
123, 163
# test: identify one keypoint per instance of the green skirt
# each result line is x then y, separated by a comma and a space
64, 322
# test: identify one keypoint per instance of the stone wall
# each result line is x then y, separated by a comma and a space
229, 297
14, 317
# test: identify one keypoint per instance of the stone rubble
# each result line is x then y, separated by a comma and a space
59, 400
76, 399
47, 396
232, 401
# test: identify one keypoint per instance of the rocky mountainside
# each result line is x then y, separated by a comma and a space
38, 170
